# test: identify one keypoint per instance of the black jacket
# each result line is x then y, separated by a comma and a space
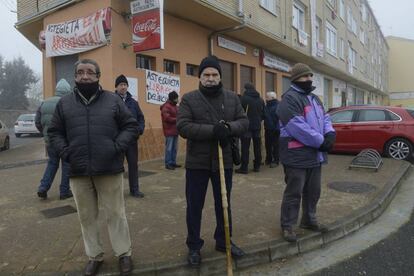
271, 121
93, 137
254, 107
133, 106
195, 123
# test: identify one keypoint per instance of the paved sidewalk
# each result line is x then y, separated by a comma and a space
33, 244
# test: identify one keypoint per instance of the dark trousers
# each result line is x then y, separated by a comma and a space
245, 147
195, 191
272, 146
132, 159
302, 184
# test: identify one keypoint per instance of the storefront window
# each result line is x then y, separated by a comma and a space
270, 81
227, 72
246, 75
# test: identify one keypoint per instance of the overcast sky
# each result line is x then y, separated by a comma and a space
394, 16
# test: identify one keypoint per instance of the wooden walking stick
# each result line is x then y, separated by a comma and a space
225, 212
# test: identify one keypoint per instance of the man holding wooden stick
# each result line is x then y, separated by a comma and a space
207, 117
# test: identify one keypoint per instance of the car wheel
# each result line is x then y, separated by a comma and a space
18, 135
399, 148
6, 145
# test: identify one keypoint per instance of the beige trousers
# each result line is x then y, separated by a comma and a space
105, 191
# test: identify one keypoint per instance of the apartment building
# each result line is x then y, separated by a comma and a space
400, 60
256, 41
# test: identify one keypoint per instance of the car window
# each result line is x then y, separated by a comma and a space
411, 112
26, 117
342, 116
393, 116
368, 115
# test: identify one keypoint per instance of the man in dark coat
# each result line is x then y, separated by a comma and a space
208, 116
91, 129
169, 127
272, 132
121, 85
306, 135
254, 107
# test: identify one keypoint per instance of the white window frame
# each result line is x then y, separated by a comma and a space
362, 36
269, 5
318, 25
342, 9
331, 39
364, 12
298, 22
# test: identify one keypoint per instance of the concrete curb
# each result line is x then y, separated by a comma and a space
267, 252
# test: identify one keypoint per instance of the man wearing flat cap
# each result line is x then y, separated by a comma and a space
306, 135
121, 86
206, 117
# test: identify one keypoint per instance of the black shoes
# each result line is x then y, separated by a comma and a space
125, 265
273, 165
137, 194
236, 251
176, 166
92, 267
256, 169
242, 171
317, 227
42, 195
289, 235
194, 258
63, 197
170, 167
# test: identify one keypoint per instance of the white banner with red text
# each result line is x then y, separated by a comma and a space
78, 35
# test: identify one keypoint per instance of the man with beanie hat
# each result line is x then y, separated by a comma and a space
208, 116
254, 106
121, 86
306, 135
169, 127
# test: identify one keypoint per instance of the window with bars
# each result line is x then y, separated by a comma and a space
145, 62
171, 66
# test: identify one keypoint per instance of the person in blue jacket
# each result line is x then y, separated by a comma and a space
121, 85
306, 135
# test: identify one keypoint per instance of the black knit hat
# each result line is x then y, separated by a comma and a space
172, 96
210, 61
300, 70
121, 79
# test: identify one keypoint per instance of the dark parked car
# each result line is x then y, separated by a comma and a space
389, 130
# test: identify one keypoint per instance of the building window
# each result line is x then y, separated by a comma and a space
171, 66
318, 30
342, 9
298, 17
270, 81
246, 75
270, 5
192, 70
342, 49
331, 40
145, 62
332, 3
363, 12
227, 78
362, 36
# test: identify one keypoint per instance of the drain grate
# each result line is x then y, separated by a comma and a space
367, 159
351, 187
58, 211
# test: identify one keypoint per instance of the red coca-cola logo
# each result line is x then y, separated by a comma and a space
148, 26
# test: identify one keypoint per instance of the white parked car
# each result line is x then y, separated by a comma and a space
25, 124
4, 137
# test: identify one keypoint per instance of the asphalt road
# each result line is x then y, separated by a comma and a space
22, 140
392, 256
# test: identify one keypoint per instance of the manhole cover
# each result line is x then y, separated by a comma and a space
58, 211
351, 187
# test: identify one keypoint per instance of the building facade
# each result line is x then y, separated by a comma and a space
256, 41
400, 59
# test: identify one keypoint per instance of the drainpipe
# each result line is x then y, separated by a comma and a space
240, 14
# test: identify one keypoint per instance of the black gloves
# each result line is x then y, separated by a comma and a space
328, 142
222, 132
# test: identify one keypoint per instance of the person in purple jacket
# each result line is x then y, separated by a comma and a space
306, 135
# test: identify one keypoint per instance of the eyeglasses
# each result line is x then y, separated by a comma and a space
87, 73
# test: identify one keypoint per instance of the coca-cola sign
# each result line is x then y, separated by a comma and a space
147, 27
